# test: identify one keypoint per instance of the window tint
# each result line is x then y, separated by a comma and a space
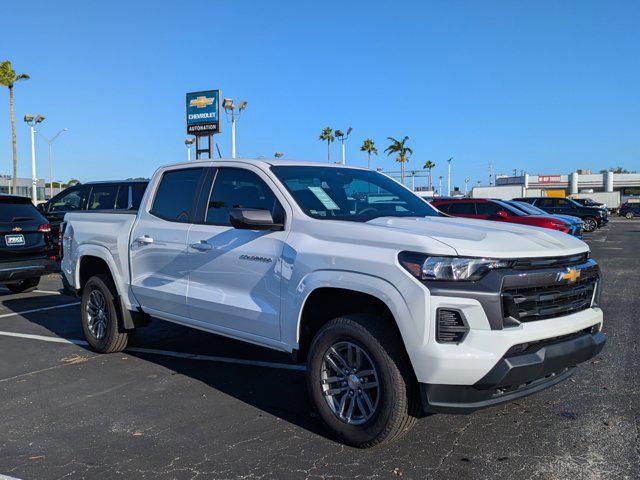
488, 208
102, 197
462, 208
137, 192
176, 194
238, 188
545, 203
561, 202
122, 203
69, 201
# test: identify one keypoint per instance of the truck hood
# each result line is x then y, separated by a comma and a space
483, 238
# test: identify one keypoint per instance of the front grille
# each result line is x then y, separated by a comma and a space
550, 262
527, 304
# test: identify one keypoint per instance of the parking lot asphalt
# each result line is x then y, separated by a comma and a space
184, 404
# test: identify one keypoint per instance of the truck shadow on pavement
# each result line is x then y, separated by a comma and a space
275, 391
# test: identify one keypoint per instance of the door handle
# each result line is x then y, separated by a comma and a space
202, 246
144, 240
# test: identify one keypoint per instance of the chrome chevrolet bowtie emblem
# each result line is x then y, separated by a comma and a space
570, 274
201, 102
16, 229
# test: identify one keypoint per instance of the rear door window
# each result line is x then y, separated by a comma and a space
462, 208
177, 193
489, 209
102, 197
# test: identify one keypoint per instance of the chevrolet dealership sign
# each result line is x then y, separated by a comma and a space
203, 112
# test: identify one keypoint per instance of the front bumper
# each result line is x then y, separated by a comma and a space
20, 270
538, 366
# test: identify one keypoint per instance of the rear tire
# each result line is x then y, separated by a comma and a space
590, 224
101, 317
388, 412
628, 215
26, 285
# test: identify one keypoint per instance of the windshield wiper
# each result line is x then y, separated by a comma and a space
21, 219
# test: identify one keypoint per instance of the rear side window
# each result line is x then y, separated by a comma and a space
17, 212
545, 202
462, 208
176, 194
102, 197
137, 192
443, 207
239, 188
488, 208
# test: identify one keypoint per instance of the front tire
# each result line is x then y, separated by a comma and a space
100, 316
360, 381
590, 224
26, 285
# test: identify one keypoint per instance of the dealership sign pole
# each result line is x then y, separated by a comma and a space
203, 118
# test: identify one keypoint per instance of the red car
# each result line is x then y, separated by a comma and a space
497, 211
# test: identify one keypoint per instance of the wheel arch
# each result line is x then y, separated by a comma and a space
323, 296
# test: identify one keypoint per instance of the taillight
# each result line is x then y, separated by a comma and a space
46, 228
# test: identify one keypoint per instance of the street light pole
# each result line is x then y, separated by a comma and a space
32, 122
50, 142
343, 138
230, 108
440, 185
188, 143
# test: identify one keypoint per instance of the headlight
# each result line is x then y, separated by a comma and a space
424, 267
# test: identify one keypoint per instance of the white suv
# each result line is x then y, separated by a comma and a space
397, 309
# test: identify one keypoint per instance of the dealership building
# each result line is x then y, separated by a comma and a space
575, 183
23, 188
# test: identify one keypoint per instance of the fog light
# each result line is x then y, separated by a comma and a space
450, 326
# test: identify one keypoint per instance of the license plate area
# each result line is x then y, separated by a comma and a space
14, 240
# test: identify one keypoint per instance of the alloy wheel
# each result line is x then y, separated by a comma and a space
97, 314
349, 381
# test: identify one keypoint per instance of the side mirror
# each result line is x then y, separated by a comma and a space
502, 214
253, 219
42, 207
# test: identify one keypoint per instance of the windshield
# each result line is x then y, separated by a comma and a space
333, 193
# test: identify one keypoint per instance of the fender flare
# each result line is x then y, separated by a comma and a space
413, 332
104, 254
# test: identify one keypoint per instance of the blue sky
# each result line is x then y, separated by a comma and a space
545, 86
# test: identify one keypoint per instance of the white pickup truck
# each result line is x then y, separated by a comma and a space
397, 310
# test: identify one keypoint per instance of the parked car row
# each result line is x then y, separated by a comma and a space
563, 214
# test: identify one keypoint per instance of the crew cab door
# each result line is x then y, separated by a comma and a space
158, 243
234, 274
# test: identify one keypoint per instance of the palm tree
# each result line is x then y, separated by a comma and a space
429, 165
7, 78
399, 147
327, 136
370, 147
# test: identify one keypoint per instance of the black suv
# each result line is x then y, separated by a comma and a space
630, 210
592, 217
27, 250
116, 195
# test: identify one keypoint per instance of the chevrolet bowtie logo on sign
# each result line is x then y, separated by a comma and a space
203, 112
571, 275
201, 102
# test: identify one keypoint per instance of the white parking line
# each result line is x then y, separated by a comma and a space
39, 309
164, 353
6, 477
